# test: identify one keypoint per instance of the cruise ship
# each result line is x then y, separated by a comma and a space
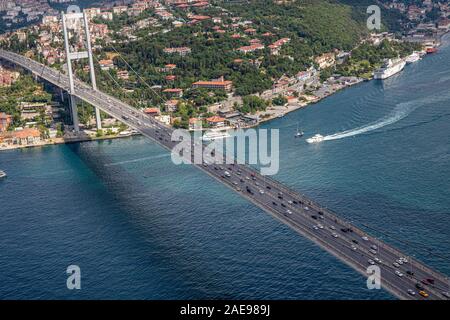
389, 68
212, 135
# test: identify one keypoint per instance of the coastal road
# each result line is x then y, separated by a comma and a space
346, 242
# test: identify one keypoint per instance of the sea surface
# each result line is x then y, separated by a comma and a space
140, 227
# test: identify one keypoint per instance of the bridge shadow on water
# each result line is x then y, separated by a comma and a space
131, 197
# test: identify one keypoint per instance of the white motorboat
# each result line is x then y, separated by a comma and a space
315, 139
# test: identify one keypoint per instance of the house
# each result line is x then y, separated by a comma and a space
5, 121
250, 31
29, 111
26, 136
120, 9
325, 60
194, 123
174, 92
165, 118
220, 84
216, 121
106, 64
182, 51
153, 112
123, 74
251, 48
171, 105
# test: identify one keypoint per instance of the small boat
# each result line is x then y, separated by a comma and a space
415, 56
2, 174
315, 139
299, 134
432, 50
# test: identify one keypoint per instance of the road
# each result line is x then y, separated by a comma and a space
337, 236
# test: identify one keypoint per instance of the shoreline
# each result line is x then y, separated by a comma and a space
60, 141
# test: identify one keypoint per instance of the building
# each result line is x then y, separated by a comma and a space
5, 121
218, 84
165, 119
174, 92
30, 111
7, 78
26, 136
182, 51
106, 64
216, 121
325, 60
153, 112
171, 105
251, 48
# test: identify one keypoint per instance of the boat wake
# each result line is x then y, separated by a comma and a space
399, 113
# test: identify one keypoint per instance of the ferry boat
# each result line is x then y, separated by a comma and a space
315, 139
415, 56
2, 174
389, 68
212, 135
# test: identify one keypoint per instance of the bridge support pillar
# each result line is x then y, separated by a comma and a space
74, 109
98, 119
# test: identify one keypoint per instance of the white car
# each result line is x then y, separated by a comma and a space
398, 273
288, 211
261, 191
395, 264
320, 226
365, 238
400, 262
332, 227
354, 248
370, 261
335, 235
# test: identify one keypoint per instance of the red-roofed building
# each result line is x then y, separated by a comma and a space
220, 84
251, 48
153, 112
174, 92
26, 136
250, 31
171, 77
216, 121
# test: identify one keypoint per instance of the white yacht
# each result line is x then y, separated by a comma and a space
2, 174
389, 68
315, 139
212, 135
415, 56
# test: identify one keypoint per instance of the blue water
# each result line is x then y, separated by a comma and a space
140, 227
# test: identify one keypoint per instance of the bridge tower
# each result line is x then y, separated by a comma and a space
73, 18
